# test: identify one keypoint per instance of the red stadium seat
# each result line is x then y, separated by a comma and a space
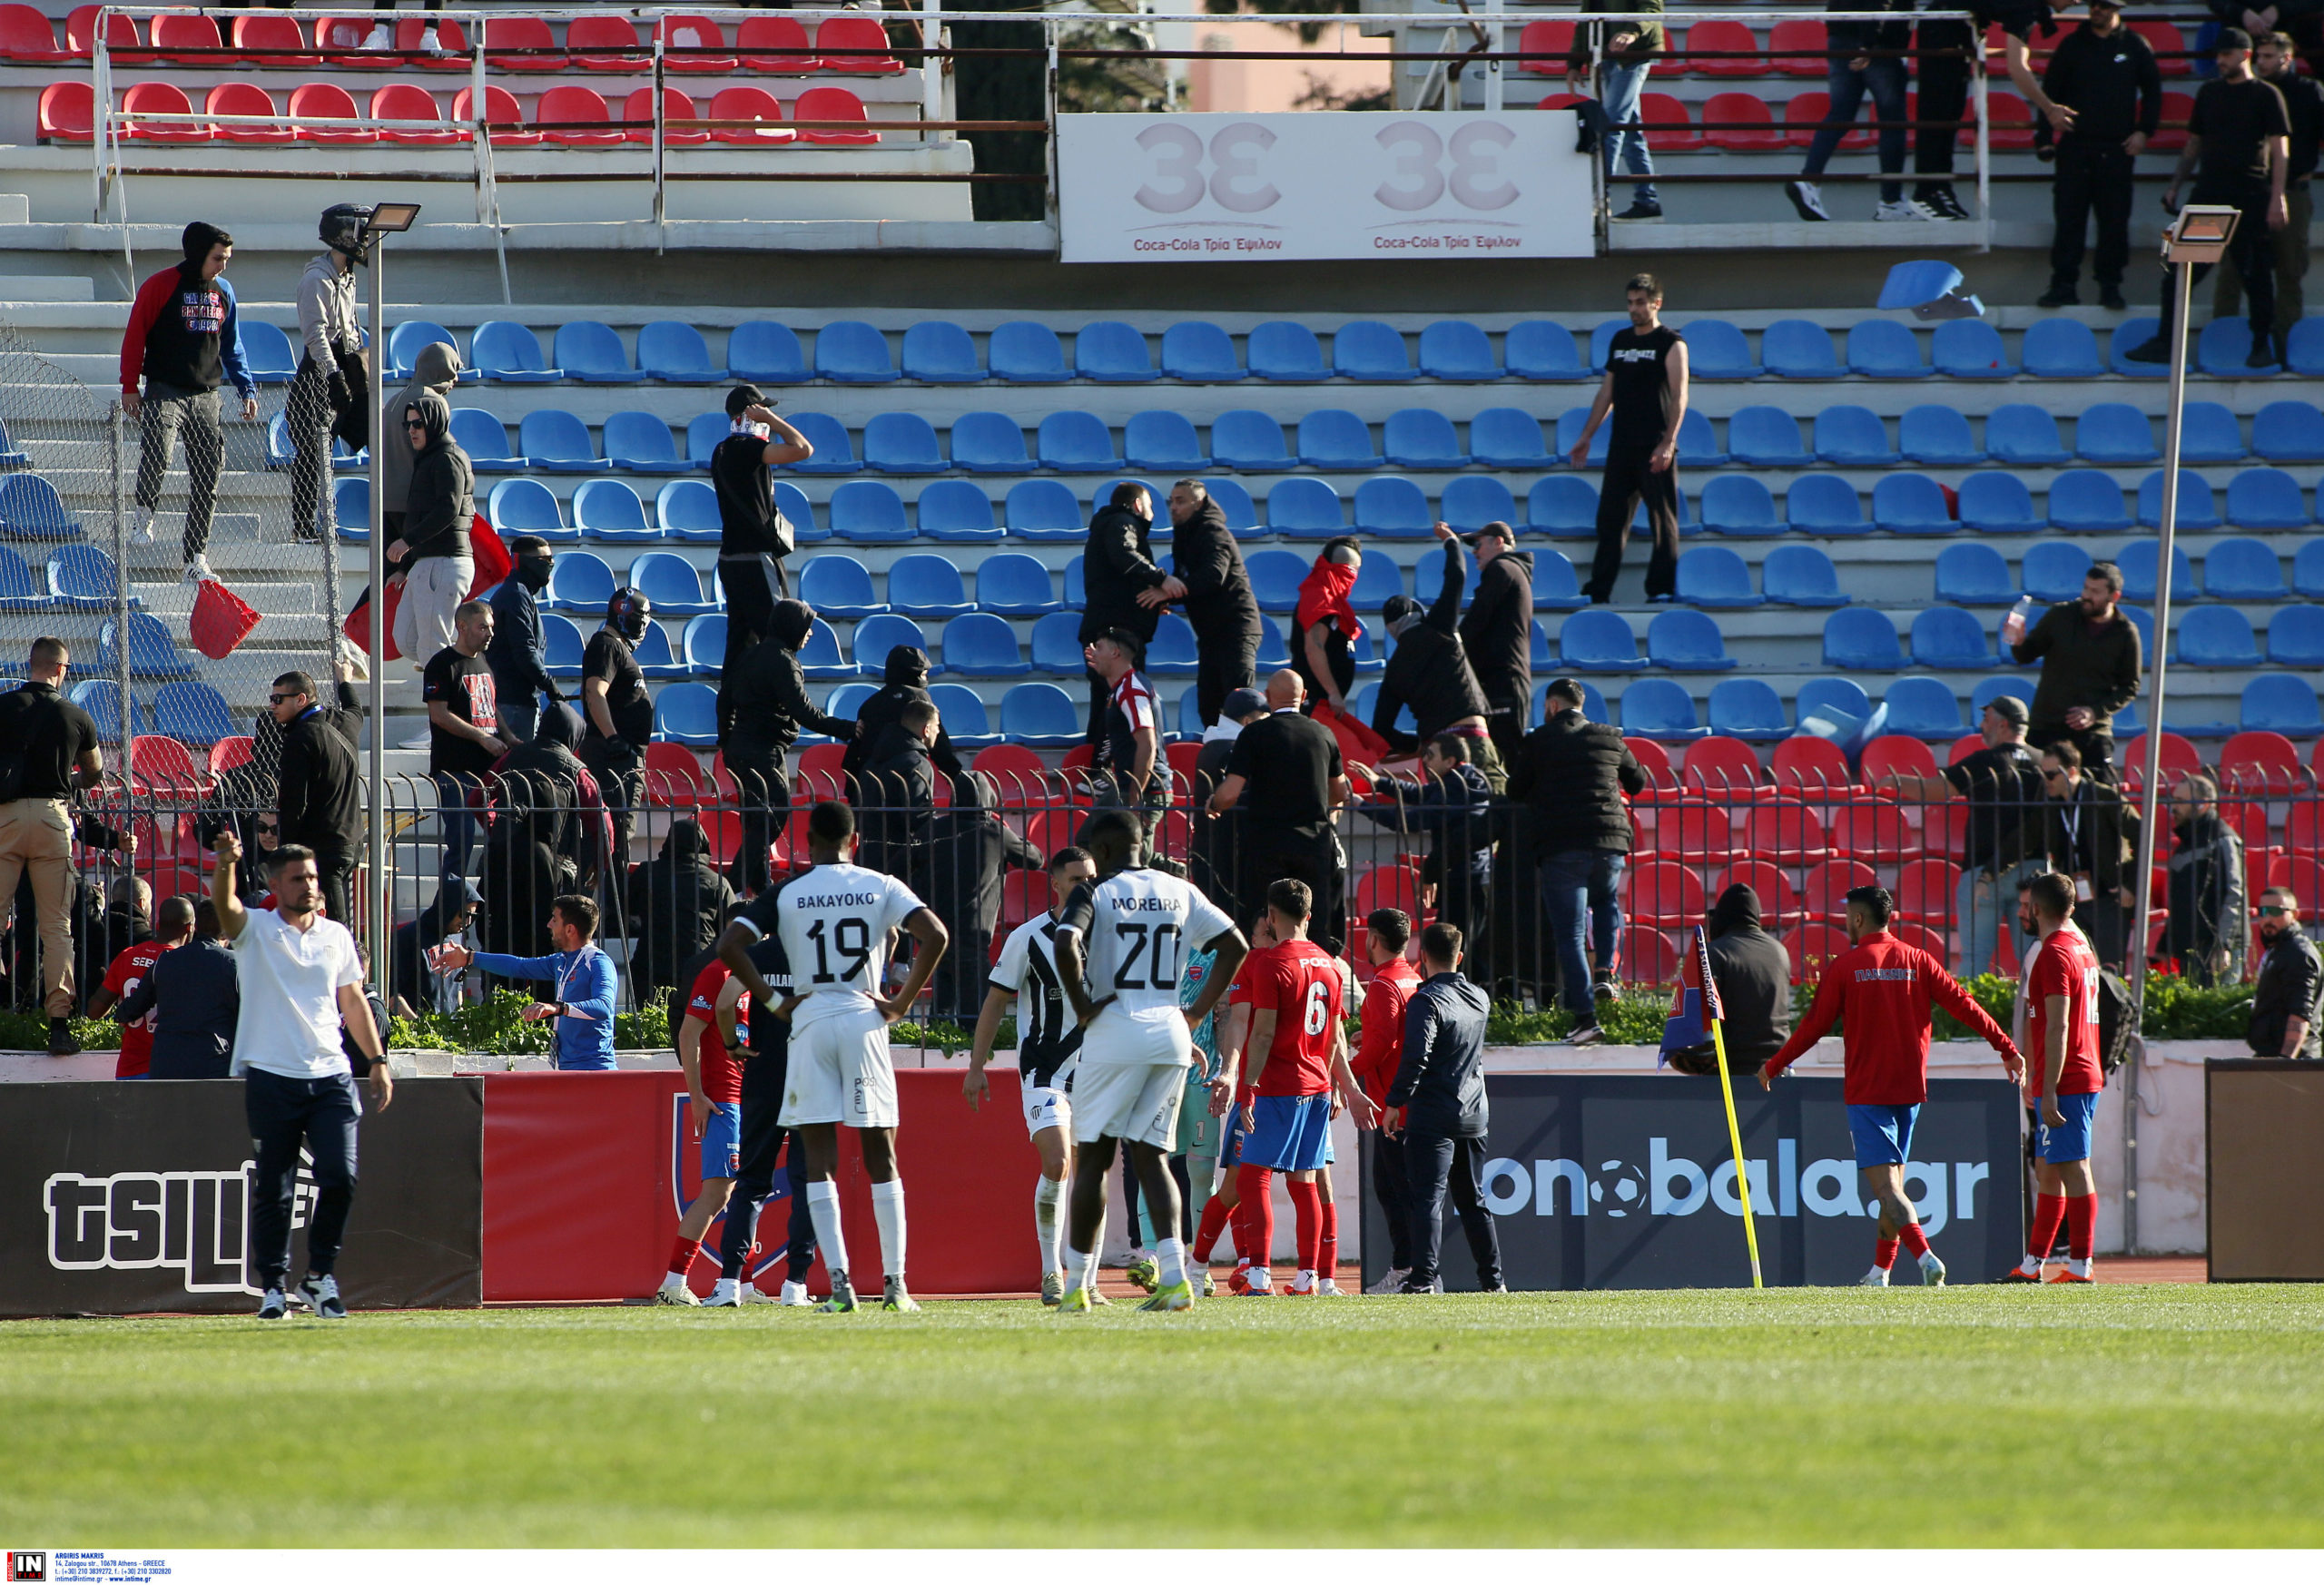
568, 104
774, 44
503, 119
166, 767
751, 104
27, 37
1812, 765
1648, 958
244, 99
1806, 115
504, 36
1562, 100
2037, 49
1695, 832
1884, 756
2172, 136
1385, 886
1017, 776
1824, 892
605, 44
263, 39
2011, 124
1724, 768
161, 99
230, 753
2259, 761
2316, 759
1930, 941
694, 44
831, 104
183, 35
1799, 48
2169, 46
1790, 833
1724, 49
341, 39
1670, 125
1663, 894
638, 110
673, 775
1876, 831
1779, 898
122, 37
1024, 894
1925, 890
1544, 46
1655, 761
178, 881
2302, 874
1182, 757
1739, 123
2304, 832
2249, 819
823, 759
68, 113
314, 102
1967, 744
856, 44
1812, 946
410, 104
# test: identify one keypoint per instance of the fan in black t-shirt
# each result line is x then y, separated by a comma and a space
754, 536
464, 739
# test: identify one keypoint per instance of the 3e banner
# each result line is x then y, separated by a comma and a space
119, 1200
1631, 1183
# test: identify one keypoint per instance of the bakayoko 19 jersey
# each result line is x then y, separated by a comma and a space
1048, 1036
1300, 983
833, 922
1136, 926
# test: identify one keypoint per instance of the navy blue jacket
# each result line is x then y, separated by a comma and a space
518, 652
1441, 1079
194, 989
1457, 810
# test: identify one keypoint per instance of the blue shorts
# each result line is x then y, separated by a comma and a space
1289, 1133
2072, 1142
1883, 1135
722, 1141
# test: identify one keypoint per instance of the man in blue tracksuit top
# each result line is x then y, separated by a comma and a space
583, 1004
1438, 1103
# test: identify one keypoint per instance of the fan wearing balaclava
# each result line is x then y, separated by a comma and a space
766, 694
432, 556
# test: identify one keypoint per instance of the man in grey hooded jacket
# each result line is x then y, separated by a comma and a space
434, 373
430, 553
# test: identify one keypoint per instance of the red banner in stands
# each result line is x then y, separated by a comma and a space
586, 1175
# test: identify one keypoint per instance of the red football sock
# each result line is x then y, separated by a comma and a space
1884, 1252
2049, 1215
682, 1256
1914, 1241
1327, 1259
1254, 1186
2081, 1226
1215, 1212
1308, 1209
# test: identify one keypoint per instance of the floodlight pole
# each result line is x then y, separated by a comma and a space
375, 911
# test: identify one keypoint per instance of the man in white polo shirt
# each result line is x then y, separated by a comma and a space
302, 986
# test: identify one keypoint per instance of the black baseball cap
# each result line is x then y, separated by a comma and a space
744, 397
1498, 530
2231, 38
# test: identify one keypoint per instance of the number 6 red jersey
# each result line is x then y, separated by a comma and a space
1302, 983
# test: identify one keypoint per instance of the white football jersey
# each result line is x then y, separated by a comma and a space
1136, 927
833, 923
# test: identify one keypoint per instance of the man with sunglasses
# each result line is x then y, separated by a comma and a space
2288, 1001
2092, 835
319, 799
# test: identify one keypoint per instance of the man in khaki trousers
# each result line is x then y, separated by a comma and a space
49, 747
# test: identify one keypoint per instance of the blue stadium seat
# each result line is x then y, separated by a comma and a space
1428, 578
1800, 575
761, 350
1764, 437
1716, 349
21, 590
589, 351
1334, 437
1687, 641
2306, 348
1013, 584
2053, 570
1198, 351
2209, 432
2308, 567
874, 636
1861, 640
1056, 644
1378, 578
984, 443
940, 352
2296, 635
2222, 347
485, 438
819, 658
1044, 509
1275, 655
1949, 639
10, 455
687, 509
1077, 442
981, 644
2130, 334
407, 339
1661, 710
673, 352
1040, 715
1392, 508
1738, 504
2021, 435
1275, 577
1112, 351
152, 652
192, 713
1457, 349
2113, 433
1992, 688
1849, 436
1969, 349
1916, 281
868, 512
670, 581
1285, 349
100, 697
1799, 349
2215, 636
1570, 424
702, 644
2061, 349
1937, 436
2198, 502
927, 586
851, 352
1247, 440
1599, 640
957, 511
846, 700
2243, 569
1974, 575
1555, 586
1593, 704
792, 503
655, 656
1563, 505
2085, 501
2280, 702
1910, 503
1241, 515
1371, 350
267, 353
1830, 697
1422, 438
1997, 503
2258, 497
686, 713
901, 443
1698, 447
705, 431
1162, 441
1924, 707
555, 441
963, 715
1305, 509
2289, 432
608, 509
1747, 709
1026, 352
1543, 349
1172, 652
1885, 349
1471, 503
81, 577
839, 585
525, 506
1544, 657
1823, 504
2139, 559
641, 443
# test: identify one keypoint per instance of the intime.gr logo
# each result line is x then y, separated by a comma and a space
28, 1568
194, 1222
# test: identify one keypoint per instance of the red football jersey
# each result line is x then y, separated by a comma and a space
129, 968
722, 1076
1300, 983
2066, 966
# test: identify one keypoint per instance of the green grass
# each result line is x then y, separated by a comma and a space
2126, 1416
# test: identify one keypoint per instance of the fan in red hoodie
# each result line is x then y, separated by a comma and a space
1885, 989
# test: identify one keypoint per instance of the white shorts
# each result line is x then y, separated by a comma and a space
1047, 1109
1132, 1101
841, 1072
1116, 1037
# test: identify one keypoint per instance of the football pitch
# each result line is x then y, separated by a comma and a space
2122, 1416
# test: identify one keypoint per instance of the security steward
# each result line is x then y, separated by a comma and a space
2288, 1001
2106, 75
48, 749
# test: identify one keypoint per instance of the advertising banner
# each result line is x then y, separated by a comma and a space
1323, 184
128, 1199
1630, 1183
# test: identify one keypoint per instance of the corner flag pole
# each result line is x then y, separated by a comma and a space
1735, 1140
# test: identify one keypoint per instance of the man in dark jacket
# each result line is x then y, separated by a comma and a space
2275, 61
1117, 567
1285, 778
447, 915
2092, 836
432, 557
2106, 75
765, 694
904, 681
1455, 806
973, 846
319, 799
518, 652
1572, 773
1429, 670
1438, 1105
897, 795
2208, 929
2288, 1000
2091, 660
1753, 974
1497, 630
1210, 580
194, 998
677, 902
1214, 847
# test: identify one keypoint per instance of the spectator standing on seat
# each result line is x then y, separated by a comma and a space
2277, 64
436, 370
331, 380
764, 695
2006, 841
754, 535
431, 554
678, 902
1753, 974
1209, 579
1645, 390
462, 728
1944, 66
1386, 932
382, 35
48, 750
620, 717
1286, 774
1325, 624
1428, 669
2239, 149
2208, 930
1118, 567
1626, 48
2288, 1000
190, 1000
1497, 632
2090, 655
183, 340
319, 789
2107, 76
1437, 1107
584, 983
1572, 774
2092, 839
904, 681
1867, 56
518, 655
1128, 771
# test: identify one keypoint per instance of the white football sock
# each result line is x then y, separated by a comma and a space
1080, 1270
888, 1211
822, 1207
1046, 1195
1170, 1254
